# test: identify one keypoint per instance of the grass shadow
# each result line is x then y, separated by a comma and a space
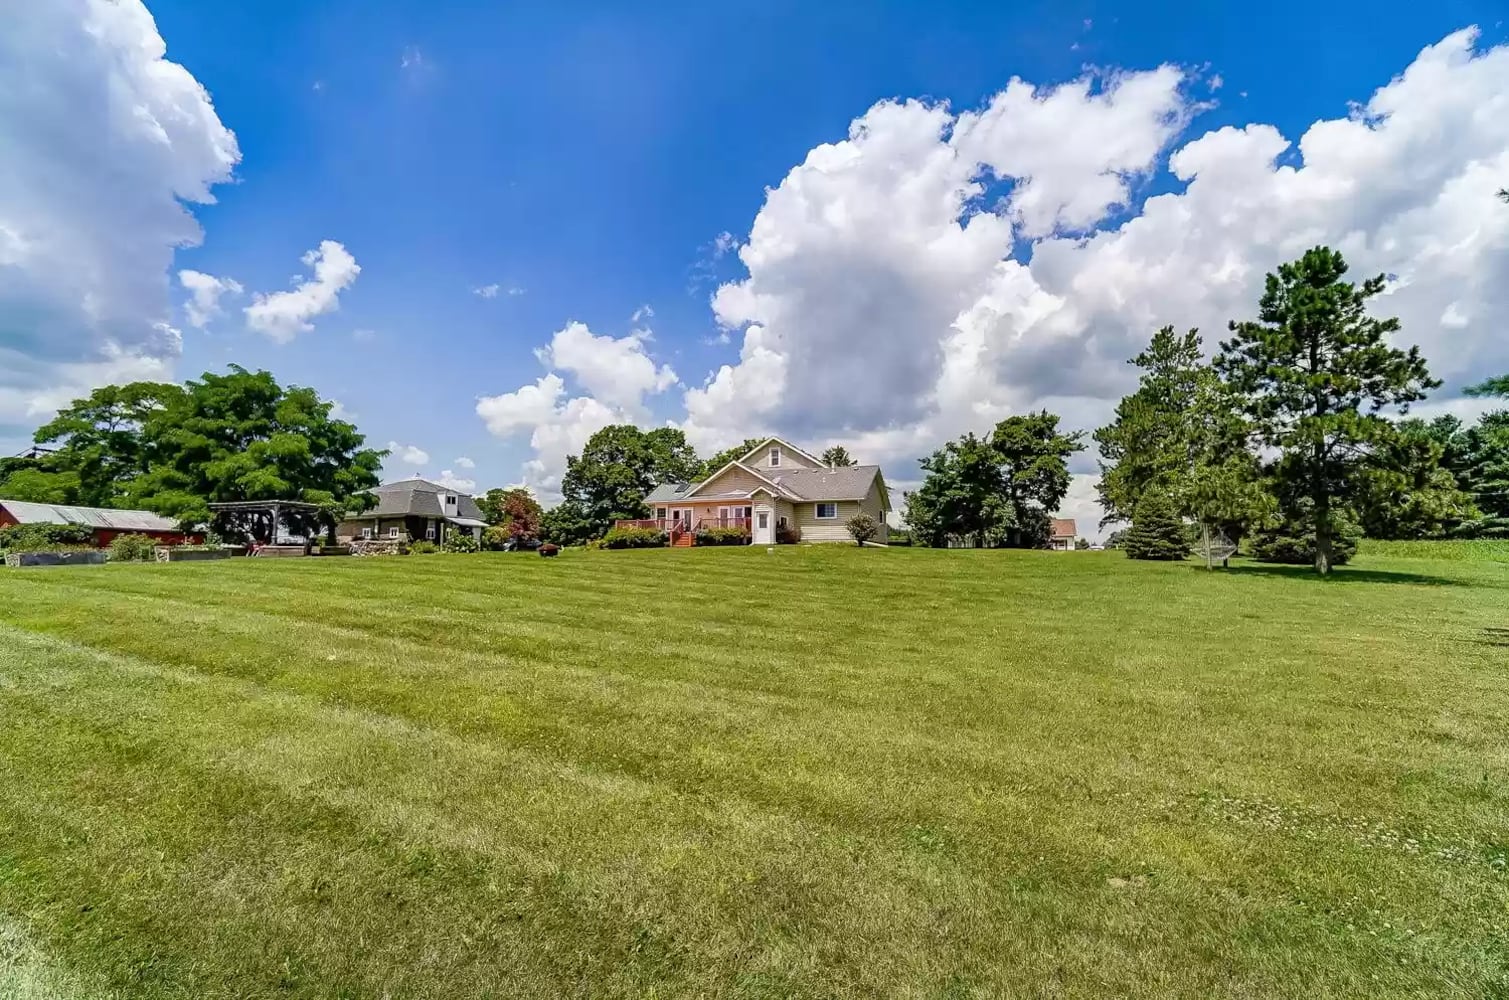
1344, 574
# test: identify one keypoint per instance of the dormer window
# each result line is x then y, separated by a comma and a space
775, 456
450, 501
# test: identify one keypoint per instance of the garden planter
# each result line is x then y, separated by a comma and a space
56, 559
168, 553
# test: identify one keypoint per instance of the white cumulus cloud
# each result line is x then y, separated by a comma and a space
106, 141
615, 374
487, 291
617, 371
885, 302
284, 315
408, 454
452, 481
205, 291
465, 463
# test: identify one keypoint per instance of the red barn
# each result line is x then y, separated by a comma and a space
104, 524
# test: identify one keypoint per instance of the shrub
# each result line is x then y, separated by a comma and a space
634, 538
788, 534
45, 537
133, 548
862, 528
460, 541
550, 549
722, 535
423, 548
1157, 530
1293, 542
494, 538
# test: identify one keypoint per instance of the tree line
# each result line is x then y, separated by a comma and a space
1293, 436
175, 449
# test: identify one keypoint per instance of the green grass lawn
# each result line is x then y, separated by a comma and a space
733, 773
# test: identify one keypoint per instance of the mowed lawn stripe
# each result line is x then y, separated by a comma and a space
1096, 797
321, 756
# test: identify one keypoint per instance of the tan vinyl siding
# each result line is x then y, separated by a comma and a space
733, 480
837, 529
874, 505
789, 460
825, 530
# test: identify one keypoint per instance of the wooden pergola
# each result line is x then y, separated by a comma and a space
252, 516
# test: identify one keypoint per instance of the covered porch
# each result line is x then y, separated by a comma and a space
756, 515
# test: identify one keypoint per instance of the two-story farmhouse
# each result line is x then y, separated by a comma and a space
777, 492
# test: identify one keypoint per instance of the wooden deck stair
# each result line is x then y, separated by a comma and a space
683, 539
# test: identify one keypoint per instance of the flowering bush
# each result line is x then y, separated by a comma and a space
132, 548
460, 541
634, 538
862, 528
722, 535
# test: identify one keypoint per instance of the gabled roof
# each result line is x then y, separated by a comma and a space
93, 517
774, 484
784, 444
1064, 527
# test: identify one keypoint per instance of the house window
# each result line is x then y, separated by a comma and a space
775, 457
429, 532
392, 532
660, 513
827, 511
450, 501
366, 532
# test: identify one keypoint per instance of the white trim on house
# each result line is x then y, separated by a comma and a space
817, 510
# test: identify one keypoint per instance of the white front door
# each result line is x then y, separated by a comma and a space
764, 526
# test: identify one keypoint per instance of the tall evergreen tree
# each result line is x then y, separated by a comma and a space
1407, 489
1312, 373
1179, 433
1480, 458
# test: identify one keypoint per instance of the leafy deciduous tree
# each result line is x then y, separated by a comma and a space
242, 436
105, 439
619, 465
836, 456
1034, 459
961, 494
723, 457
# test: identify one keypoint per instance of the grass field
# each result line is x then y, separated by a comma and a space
727, 773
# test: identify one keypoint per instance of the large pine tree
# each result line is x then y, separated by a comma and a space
1313, 372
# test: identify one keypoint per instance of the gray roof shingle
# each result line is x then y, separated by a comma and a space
418, 498
847, 482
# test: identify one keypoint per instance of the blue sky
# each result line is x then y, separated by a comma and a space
586, 161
